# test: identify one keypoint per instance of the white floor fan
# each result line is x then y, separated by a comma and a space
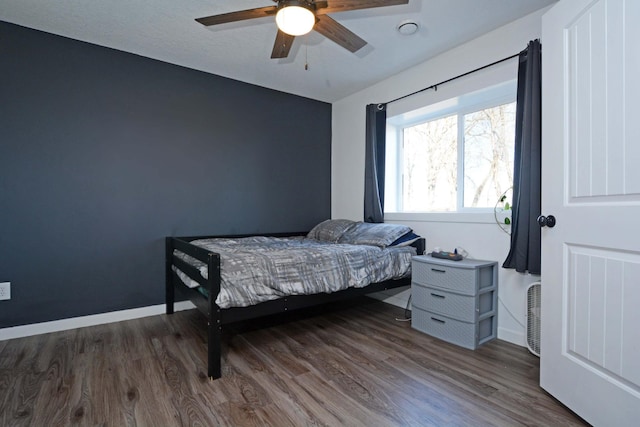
533, 318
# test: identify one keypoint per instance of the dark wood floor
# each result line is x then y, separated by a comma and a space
354, 366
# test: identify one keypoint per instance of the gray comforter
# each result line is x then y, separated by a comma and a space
258, 269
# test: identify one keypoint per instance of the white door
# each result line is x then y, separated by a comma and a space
590, 348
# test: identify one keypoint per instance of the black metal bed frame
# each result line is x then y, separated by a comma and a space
217, 317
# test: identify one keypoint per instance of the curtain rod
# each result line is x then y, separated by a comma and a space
435, 86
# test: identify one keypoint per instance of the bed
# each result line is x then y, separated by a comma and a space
232, 278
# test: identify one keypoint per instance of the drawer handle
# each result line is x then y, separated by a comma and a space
437, 296
438, 271
438, 320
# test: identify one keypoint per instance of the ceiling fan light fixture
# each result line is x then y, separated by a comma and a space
295, 18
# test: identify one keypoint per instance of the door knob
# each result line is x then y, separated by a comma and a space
547, 221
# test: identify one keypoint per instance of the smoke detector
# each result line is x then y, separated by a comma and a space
407, 28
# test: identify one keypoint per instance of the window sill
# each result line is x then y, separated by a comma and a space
453, 217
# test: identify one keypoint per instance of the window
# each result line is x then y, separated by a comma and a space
454, 156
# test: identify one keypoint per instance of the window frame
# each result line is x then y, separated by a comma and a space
488, 97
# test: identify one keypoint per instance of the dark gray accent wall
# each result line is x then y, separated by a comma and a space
104, 153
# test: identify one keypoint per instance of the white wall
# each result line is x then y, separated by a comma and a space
484, 239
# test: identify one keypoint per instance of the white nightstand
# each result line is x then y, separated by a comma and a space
456, 301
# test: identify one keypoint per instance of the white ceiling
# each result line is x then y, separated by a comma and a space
166, 30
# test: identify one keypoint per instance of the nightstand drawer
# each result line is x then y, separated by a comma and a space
443, 276
461, 307
464, 334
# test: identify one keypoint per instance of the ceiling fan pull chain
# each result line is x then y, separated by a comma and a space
306, 51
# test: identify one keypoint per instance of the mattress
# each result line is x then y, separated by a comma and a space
258, 269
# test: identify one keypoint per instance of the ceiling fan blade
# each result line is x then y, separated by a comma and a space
331, 29
334, 6
282, 45
241, 15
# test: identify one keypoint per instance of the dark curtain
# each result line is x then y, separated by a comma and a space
374, 163
524, 254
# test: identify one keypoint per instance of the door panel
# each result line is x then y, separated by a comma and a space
601, 73
599, 293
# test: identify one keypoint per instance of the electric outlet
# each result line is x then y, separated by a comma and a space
5, 291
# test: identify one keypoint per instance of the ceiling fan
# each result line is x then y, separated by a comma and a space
298, 17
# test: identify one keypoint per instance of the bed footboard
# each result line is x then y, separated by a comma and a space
212, 284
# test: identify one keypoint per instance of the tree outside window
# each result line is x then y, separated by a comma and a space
459, 161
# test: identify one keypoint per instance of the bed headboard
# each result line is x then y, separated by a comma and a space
420, 245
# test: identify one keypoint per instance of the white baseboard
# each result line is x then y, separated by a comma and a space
399, 300
84, 321
397, 297
514, 337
